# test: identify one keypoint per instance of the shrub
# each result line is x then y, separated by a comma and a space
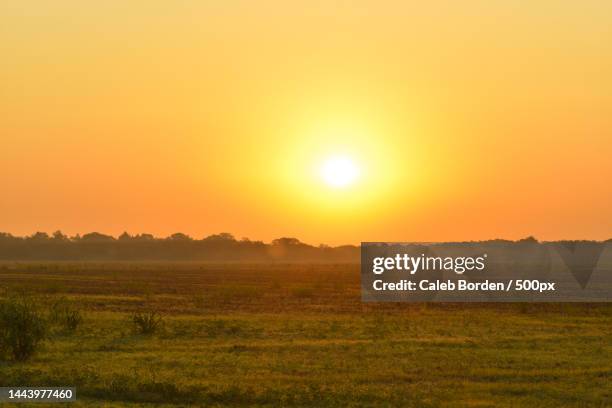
72, 319
147, 322
22, 327
66, 315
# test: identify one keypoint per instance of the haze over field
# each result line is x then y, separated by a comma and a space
333, 122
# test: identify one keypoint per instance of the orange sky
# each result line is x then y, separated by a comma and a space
468, 120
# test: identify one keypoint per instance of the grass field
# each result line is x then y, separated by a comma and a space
298, 335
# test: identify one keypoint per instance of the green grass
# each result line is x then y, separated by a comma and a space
298, 335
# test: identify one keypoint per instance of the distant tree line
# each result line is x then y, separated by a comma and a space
179, 246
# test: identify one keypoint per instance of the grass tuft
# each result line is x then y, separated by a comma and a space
147, 322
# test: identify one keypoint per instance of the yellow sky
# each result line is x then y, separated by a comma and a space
468, 120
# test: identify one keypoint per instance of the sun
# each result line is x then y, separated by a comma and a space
339, 172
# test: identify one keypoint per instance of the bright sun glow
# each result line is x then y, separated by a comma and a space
339, 172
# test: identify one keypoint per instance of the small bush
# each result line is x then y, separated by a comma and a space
22, 327
66, 315
147, 322
72, 319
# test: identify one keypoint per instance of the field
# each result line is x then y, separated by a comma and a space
298, 335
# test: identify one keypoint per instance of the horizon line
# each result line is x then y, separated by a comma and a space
58, 235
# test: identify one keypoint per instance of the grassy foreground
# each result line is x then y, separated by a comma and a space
298, 335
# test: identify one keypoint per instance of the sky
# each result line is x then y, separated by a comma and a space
465, 120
